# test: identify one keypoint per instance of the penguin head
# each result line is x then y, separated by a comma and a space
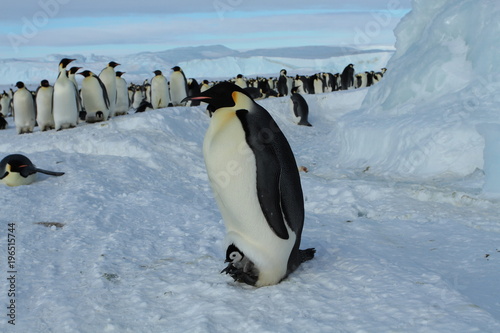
20, 85
233, 254
113, 64
17, 163
86, 73
73, 70
157, 72
294, 89
44, 83
176, 69
119, 74
65, 62
224, 94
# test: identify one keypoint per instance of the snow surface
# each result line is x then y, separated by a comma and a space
142, 243
397, 200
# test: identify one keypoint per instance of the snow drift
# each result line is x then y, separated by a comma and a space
422, 119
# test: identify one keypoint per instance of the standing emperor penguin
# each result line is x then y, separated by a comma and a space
5, 107
300, 109
178, 86
282, 84
160, 97
24, 109
108, 77
65, 101
95, 98
17, 169
44, 95
72, 76
122, 99
347, 77
240, 81
254, 176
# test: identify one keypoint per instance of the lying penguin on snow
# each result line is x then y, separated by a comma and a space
17, 169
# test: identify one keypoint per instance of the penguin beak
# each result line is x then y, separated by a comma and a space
196, 98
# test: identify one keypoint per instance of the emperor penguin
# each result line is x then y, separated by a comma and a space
65, 101
300, 109
17, 169
72, 76
5, 104
193, 90
347, 77
122, 99
205, 85
178, 86
240, 81
24, 109
319, 84
160, 97
138, 97
44, 116
95, 98
254, 176
108, 77
282, 84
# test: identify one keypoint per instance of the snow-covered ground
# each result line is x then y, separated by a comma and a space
401, 204
141, 244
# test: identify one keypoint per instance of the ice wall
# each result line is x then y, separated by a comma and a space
442, 81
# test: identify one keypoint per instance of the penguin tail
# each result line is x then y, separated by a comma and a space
306, 254
52, 173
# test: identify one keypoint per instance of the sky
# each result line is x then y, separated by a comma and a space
36, 28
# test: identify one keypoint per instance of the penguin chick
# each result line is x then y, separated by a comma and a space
240, 268
17, 169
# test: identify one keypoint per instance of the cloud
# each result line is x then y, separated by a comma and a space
158, 25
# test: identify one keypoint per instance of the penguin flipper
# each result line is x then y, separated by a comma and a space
52, 173
28, 170
268, 172
4, 175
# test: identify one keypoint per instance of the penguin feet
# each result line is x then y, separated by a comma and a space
240, 275
306, 254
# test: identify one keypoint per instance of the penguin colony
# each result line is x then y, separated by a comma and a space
262, 207
102, 96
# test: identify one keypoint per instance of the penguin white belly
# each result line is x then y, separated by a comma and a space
232, 171
15, 179
64, 104
93, 100
44, 115
318, 86
159, 93
122, 99
24, 109
5, 105
108, 78
177, 88
138, 97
